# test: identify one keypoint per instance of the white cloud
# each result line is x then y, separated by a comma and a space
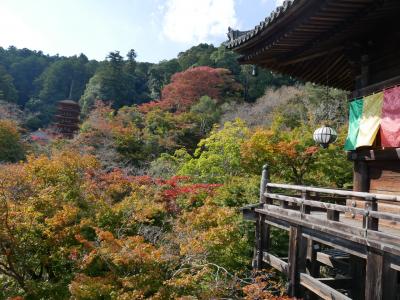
195, 21
277, 2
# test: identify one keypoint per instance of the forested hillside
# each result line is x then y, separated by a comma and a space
35, 81
144, 202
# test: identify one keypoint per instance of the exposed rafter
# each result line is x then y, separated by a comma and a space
309, 38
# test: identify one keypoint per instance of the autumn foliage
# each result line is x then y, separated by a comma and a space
144, 202
94, 233
189, 86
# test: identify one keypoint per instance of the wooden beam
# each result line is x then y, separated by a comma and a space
375, 154
321, 289
379, 240
278, 223
249, 213
320, 204
337, 283
379, 86
312, 221
350, 247
295, 60
393, 198
333, 262
276, 263
395, 267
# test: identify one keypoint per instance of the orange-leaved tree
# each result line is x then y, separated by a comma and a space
290, 154
189, 86
42, 203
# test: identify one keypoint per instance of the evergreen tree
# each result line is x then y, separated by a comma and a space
7, 88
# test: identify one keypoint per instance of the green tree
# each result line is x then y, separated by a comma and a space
208, 113
8, 92
25, 72
64, 79
218, 156
224, 58
115, 82
196, 56
160, 75
11, 147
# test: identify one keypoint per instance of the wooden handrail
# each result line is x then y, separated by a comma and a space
393, 198
336, 207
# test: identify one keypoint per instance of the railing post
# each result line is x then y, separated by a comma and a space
375, 258
333, 215
371, 204
262, 228
297, 260
263, 183
305, 209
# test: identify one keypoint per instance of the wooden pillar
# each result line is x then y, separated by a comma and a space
313, 266
297, 261
381, 279
374, 275
389, 286
361, 180
357, 273
258, 251
361, 176
262, 228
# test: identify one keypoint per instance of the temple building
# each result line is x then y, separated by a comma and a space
351, 45
67, 118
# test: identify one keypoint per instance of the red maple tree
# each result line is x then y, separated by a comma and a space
189, 86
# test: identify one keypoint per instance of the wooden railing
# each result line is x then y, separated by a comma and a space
301, 208
319, 216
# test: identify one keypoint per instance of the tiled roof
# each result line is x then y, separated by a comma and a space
236, 38
324, 41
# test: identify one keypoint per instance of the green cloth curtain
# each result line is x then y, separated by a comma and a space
355, 111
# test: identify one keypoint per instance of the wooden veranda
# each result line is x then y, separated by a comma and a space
352, 236
325, 234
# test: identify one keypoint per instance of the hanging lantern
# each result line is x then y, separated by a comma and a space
325, 136
254, 71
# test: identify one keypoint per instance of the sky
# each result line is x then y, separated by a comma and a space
156, 29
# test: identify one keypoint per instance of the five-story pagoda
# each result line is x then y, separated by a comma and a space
67, 117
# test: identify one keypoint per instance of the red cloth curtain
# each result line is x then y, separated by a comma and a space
390, 123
